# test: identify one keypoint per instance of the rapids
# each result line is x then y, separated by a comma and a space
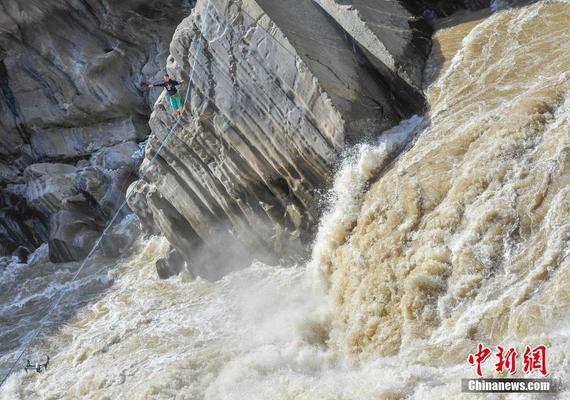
463, 238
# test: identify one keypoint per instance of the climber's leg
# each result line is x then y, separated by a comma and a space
176, 103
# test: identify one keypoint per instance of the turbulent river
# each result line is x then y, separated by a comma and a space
464, 238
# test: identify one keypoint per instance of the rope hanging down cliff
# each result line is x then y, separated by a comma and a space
43, 322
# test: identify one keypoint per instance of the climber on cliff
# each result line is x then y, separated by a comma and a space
170, 85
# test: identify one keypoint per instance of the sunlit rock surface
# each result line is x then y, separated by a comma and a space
278, 89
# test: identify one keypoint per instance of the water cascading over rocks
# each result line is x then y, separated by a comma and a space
465, 239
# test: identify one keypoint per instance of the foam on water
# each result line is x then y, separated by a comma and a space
360, 165
252, 335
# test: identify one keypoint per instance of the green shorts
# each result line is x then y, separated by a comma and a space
175, 101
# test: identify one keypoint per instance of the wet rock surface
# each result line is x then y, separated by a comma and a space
444, 8
171, 265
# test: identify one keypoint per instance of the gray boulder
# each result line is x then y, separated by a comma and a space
71, 235
120, 237
49, 185
171, 265
70, 94
62, 143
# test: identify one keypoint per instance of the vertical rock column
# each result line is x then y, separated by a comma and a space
277, 90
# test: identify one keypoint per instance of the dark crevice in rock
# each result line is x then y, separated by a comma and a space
443, 8
22, 225
209, 67
7, 93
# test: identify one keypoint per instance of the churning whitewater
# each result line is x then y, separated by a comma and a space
464, 236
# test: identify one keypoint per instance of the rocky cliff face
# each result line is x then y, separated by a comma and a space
443, 8
277, 92
280, 87
72, 114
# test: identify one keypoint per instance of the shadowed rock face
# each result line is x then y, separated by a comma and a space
72, 113
443, 7
278, 90
394, 42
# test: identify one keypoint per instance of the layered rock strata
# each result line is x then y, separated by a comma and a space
278, 89
72, 113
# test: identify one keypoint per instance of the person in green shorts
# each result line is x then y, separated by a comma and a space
170, 85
